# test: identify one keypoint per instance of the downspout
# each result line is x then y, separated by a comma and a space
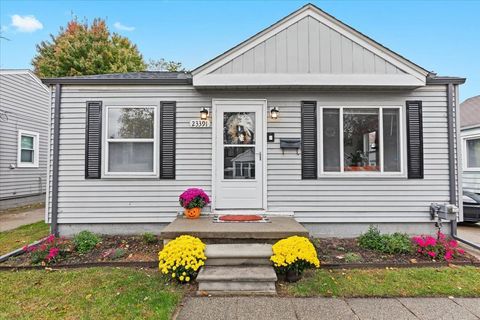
55, 162
451, 162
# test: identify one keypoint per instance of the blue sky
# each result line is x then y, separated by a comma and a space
441, 36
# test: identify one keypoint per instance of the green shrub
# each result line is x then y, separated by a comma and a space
351, 257
149, 238
85, 241
118, 253
387, 243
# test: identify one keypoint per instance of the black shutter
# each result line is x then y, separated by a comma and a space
415, 139
167, 140
309, 140
93, 140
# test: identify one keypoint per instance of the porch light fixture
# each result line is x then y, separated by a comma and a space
204, 114
274, 113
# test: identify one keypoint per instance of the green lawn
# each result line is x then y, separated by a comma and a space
17, 238
410, 282
96, 293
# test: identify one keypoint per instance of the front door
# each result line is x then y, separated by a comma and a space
238, 157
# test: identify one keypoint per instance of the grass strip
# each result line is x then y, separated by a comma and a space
411, 282
96, 293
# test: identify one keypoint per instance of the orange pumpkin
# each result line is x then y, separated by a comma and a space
193, 213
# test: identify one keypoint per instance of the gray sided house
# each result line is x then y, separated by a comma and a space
470, 133
308, 118
24, 131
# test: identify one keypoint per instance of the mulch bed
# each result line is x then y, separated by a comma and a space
332, 252
341, 251
134, 250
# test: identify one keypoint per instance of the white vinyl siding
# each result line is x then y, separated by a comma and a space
325, 200
24, 105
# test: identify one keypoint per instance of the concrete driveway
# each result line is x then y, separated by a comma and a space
9, 221
470, 232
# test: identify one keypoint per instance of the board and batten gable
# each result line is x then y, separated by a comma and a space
308, 46
24, 105
322, 200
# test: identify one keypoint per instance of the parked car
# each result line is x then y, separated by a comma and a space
471, 207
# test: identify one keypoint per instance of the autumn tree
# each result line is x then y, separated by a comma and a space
164, 65
83, 49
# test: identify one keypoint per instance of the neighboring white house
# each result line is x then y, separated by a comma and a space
470, 133
24, 123
372, 136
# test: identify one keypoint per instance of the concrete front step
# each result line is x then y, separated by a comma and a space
236, 287
238, 254
229, 279
238, 250
237, 273
238, 262
210, 232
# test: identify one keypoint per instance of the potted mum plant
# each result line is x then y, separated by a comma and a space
291, 256
193, 200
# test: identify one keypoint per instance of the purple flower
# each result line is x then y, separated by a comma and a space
194, 197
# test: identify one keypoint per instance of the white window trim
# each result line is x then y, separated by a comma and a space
362, 174
155, 140
36, 149
465, 151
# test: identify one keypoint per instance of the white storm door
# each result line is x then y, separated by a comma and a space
239, 158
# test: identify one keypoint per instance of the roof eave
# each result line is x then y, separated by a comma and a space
79, 81
445, 80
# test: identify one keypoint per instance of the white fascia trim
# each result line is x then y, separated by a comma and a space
344, 30
280, 79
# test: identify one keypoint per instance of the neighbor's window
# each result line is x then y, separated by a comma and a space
361, 139
27, 153
131, 140
473, 153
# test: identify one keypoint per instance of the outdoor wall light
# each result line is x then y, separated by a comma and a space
204, 114
274, 113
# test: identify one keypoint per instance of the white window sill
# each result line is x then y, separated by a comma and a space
27, 165
129, 176
471, 169
362, 175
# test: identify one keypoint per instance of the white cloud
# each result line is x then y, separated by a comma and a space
122, 27
26, 23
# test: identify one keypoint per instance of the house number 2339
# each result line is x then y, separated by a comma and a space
199, 123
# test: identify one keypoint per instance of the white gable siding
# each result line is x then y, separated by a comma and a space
324, 200
26, 104
308, 46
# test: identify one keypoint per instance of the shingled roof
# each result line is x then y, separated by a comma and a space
470, 112
143, 77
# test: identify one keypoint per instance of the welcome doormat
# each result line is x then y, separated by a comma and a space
240, 218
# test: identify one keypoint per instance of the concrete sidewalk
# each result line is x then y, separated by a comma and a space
273, 308
9, 221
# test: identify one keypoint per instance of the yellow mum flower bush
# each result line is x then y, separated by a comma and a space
294, 254
182, 258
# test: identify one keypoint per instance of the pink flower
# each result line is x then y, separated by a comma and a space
430, 241
441, 235
461, 251
431, 254
453, 243
448, 255
50, 238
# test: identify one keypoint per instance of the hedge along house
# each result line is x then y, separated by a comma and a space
309, 117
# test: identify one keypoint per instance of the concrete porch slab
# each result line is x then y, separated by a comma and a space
205, 229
